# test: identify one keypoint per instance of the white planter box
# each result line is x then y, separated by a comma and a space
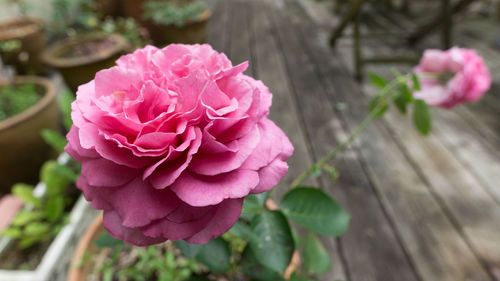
54, 264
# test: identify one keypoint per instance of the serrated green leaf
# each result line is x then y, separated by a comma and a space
315, 210
251, 267
416, 82
187, 249
243, 230
215, 255
378, 105
422, 117
377, 80
275, 245
316, 258
105, 240
254, 204
25, 193
54, 208
54, 139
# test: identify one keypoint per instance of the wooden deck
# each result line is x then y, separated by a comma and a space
423, 209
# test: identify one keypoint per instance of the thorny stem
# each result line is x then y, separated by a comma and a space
384, 100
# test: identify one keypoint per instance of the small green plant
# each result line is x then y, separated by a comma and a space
160, 262
128, 28
15, 99
46, 215
177, 13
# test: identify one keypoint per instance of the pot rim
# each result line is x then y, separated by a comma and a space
48, 97
77, 272
50, 55
26, 27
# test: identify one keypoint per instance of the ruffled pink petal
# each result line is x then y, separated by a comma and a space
197, 190
181, 226
113, 224
271, 175
102, 172
215, 164
228, 212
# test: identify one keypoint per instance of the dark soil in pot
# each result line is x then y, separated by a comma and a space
79, 58
22, 148
21, 43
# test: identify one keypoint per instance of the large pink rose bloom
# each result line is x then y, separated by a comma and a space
171, 141
452, 77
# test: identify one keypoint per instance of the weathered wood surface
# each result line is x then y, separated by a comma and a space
422, 209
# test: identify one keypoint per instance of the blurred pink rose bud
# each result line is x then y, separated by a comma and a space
171, 141
452, 77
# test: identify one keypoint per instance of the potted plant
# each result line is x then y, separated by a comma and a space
27, 105
21, 42
78, 58
177, 21
39, 243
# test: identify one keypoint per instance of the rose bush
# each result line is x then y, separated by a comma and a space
171, 140
451, 77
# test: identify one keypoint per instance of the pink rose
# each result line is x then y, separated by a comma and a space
452, 77
171, 141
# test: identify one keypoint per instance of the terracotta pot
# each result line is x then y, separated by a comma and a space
192, 33
32, 39
22, 149
133, 9
77, 270
111, 8
78, 70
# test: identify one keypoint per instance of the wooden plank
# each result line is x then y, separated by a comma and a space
218, 27
269, 67
370, 248
436, 249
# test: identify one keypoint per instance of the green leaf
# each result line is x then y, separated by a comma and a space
416, 82
25, 193
54, 139
215, 255
275, 245
315, 210
187, 249
37, 229
378, 105
65, 101
105, 240
334, 174
296, 277
241, 229
54, 208
316, 258
297, 240
12, 232
377, 80
254, 204
404, 98
24, 217
251, 267
422, 117
56, 177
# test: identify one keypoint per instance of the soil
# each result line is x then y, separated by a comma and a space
27, 259
84, 49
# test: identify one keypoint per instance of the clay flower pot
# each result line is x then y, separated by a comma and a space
85, 247
79, 58
28, 32
22, 148
191, 33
